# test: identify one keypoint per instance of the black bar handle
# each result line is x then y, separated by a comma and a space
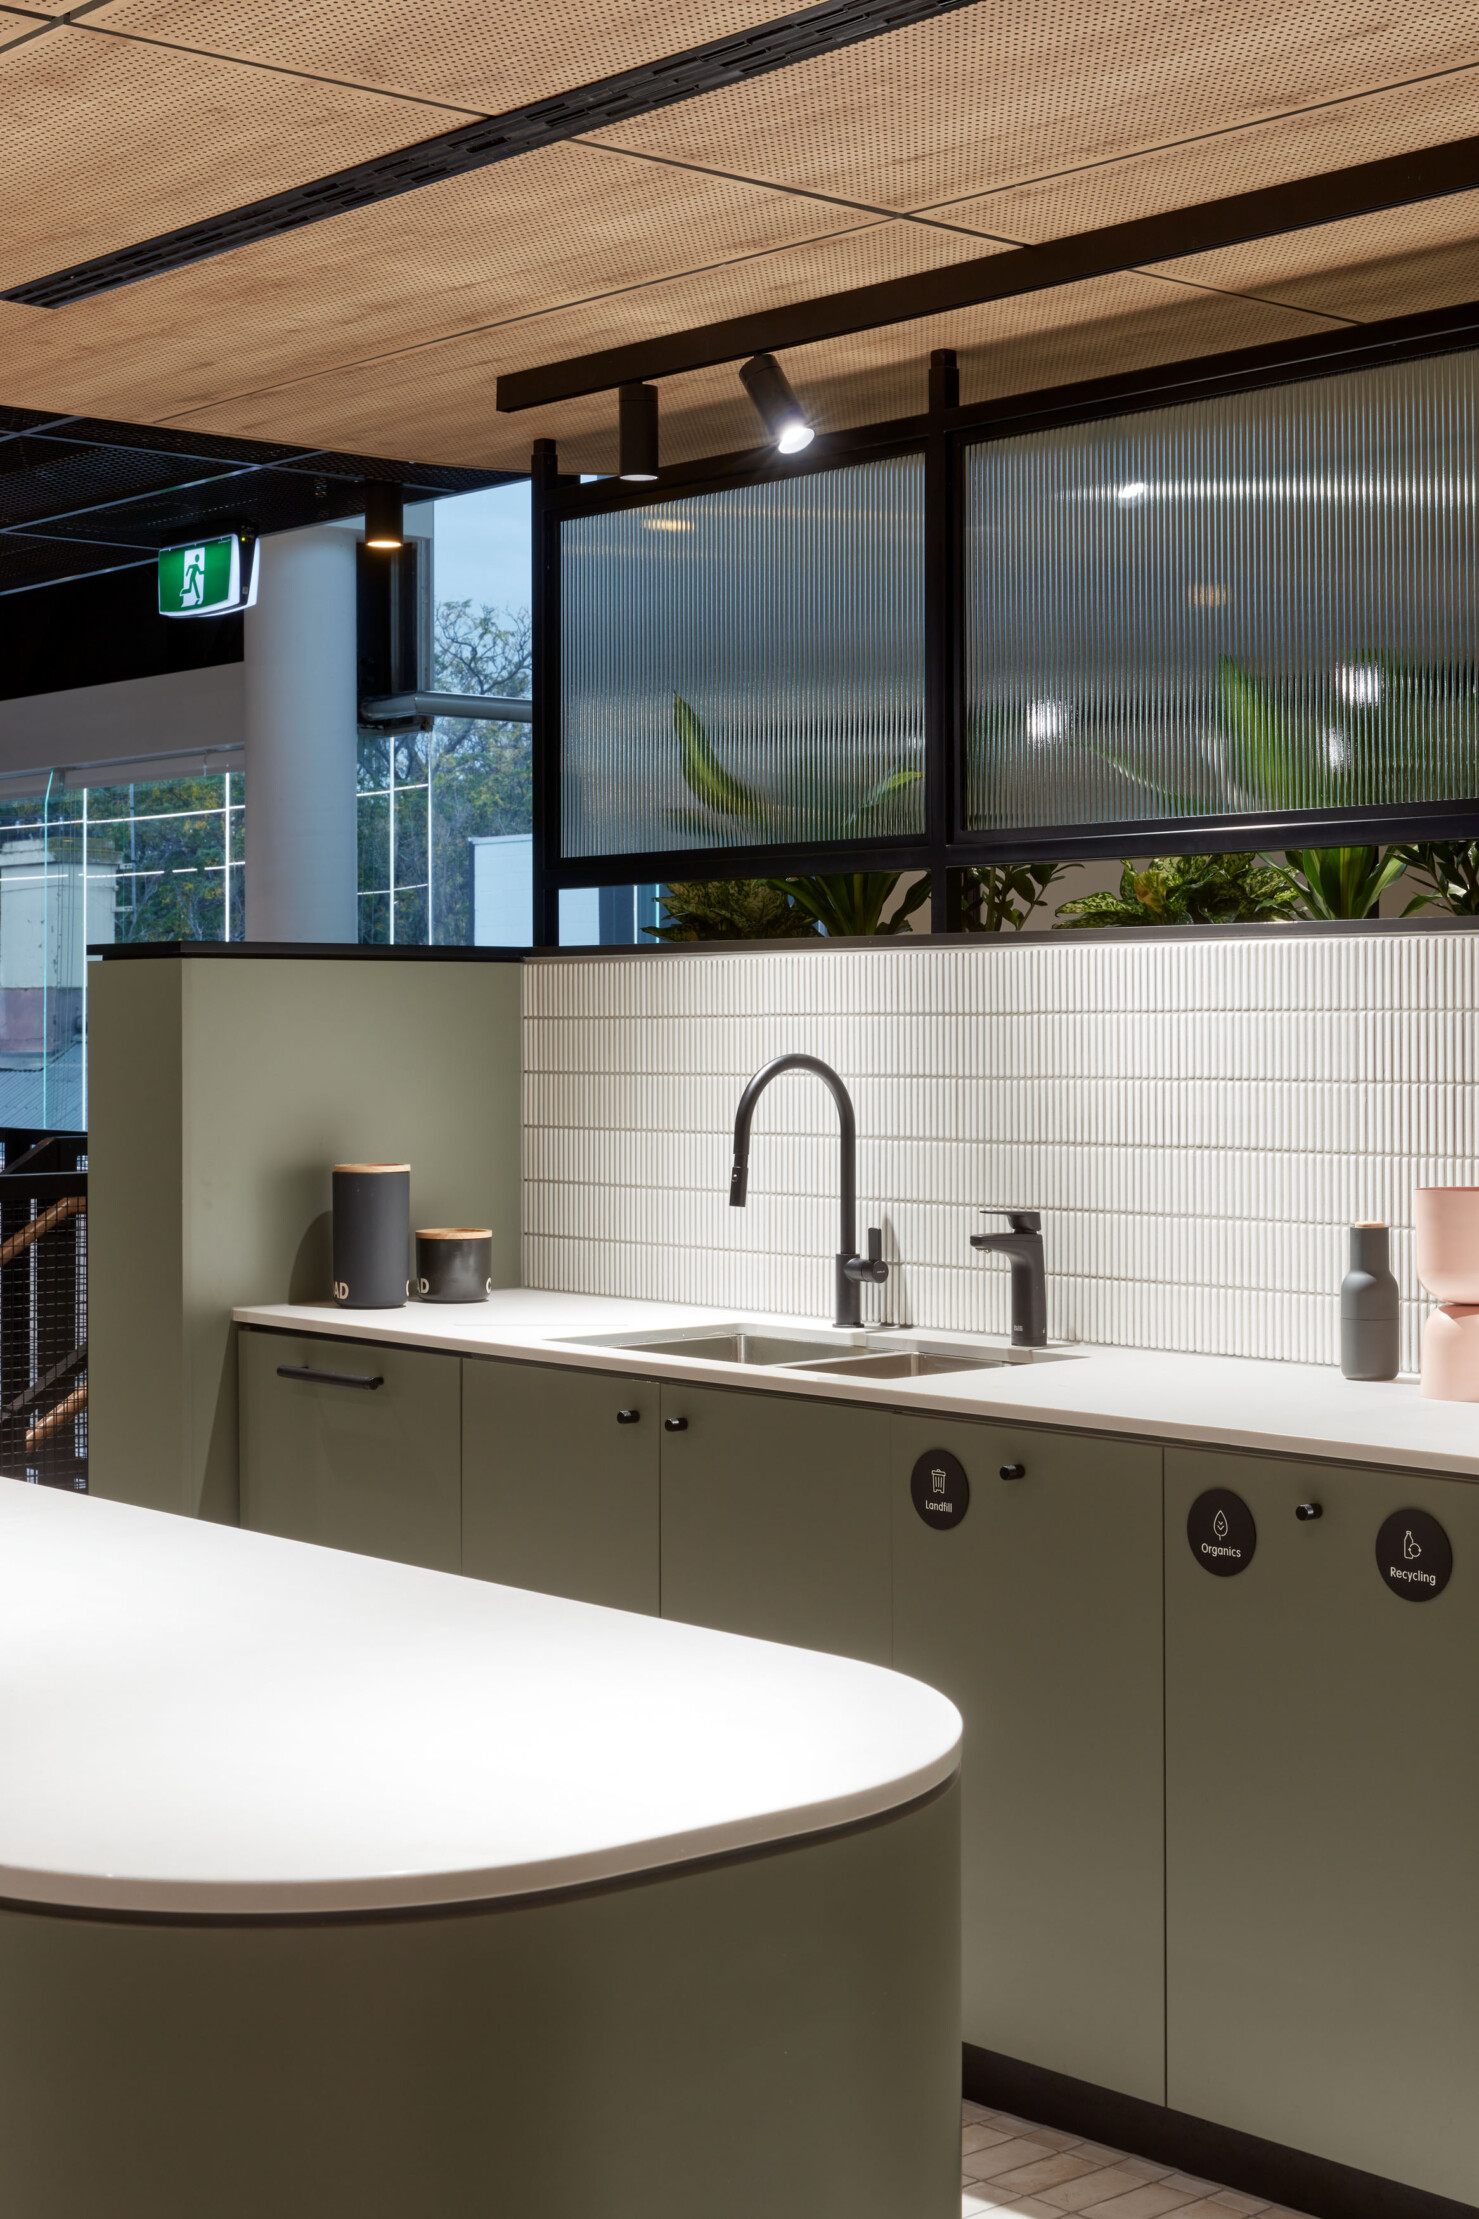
676, 1425
330, 1378
1014, 1471
1307, 1510
627, 1417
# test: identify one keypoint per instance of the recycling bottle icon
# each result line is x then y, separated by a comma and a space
1410, 1548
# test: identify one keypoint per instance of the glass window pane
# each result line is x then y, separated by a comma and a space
1261, 602
746, 668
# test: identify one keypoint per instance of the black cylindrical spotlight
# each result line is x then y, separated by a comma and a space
778, 408
636, 417
384, 515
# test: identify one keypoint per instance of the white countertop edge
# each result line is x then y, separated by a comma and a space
1055, 1404
386, 1894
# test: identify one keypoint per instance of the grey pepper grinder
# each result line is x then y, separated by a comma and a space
1368, 1307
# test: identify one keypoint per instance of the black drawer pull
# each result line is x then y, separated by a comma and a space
1014, 1471
627, 1417
1307, 1510
330, 1378
676, 1425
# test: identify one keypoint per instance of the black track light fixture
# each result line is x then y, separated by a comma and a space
776, 404
385, 524
636, 417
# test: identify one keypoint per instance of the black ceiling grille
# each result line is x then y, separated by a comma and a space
633, 92
79, 495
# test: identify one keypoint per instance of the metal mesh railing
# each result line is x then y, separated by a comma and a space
43, 1307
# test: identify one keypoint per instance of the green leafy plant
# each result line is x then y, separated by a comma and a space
1450, 869
1189, 890
722, 795
850, 904
731, 909
995, 896
1342, 882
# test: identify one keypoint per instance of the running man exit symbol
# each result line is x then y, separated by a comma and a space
192, 578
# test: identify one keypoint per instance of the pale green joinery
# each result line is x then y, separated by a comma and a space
373, 1470
224, 1089
1322, 1816
775, 2037
559, 1493
1040, 1617
775, 1519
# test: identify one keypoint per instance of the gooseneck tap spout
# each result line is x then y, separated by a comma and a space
852, 1269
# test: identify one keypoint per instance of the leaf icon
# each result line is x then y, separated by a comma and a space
1220, 1525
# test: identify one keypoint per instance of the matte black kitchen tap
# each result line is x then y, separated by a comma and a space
852, 1269
1022, 1247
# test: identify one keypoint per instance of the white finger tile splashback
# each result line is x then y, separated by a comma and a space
1198, 1121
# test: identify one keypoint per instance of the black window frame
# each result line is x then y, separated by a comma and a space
943, 435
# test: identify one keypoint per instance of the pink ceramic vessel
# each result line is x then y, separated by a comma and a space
1451, 1353
1448, 1242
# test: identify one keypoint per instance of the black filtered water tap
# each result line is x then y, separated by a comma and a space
1023, 1249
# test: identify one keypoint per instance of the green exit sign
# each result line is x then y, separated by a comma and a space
208, 576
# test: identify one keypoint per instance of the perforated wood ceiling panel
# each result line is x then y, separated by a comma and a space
461, 51
105, 142
994, 96
1292, 147
1395, 264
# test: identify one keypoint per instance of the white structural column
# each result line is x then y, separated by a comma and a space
301, 718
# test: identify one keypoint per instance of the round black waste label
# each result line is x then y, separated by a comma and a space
1220, 1532
941, 1491
1414, 1555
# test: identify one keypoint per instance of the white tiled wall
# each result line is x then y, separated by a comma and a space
1198, 1121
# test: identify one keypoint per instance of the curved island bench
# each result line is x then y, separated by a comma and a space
335, 1887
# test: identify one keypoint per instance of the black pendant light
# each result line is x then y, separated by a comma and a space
636, 417
384, 515
776, 404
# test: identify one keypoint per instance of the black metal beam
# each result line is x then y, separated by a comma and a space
1363, 189
778, 44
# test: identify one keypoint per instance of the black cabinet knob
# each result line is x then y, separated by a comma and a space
676, 1425
1014, 1471
627, 1417
1306, 1510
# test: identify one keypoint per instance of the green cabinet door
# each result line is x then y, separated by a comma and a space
1039, 1615
775, 1518
1321, 1824
559, 1481
327, 1458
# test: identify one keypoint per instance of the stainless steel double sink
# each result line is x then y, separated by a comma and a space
855, 1356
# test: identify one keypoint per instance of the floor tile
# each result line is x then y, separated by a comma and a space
1235, 2200
1094, 2188
978, 2136
1151, 2200
1001, 2157
1049, 2172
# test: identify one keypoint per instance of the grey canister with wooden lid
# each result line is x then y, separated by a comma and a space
454, 1263
372, 1235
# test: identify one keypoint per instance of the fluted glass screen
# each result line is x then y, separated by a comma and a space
746, 668
1252, 604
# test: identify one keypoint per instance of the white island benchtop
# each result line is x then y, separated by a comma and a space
200, 1720
1225, 1401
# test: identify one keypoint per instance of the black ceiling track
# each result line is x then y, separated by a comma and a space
633, 92
79, 495
1365, 188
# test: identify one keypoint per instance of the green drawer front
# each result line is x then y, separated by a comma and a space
374, 1470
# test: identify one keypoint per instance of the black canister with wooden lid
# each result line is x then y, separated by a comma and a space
454, 1263
372, 1235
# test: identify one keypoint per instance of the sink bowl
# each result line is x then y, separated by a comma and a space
729, 1345
905, 1363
